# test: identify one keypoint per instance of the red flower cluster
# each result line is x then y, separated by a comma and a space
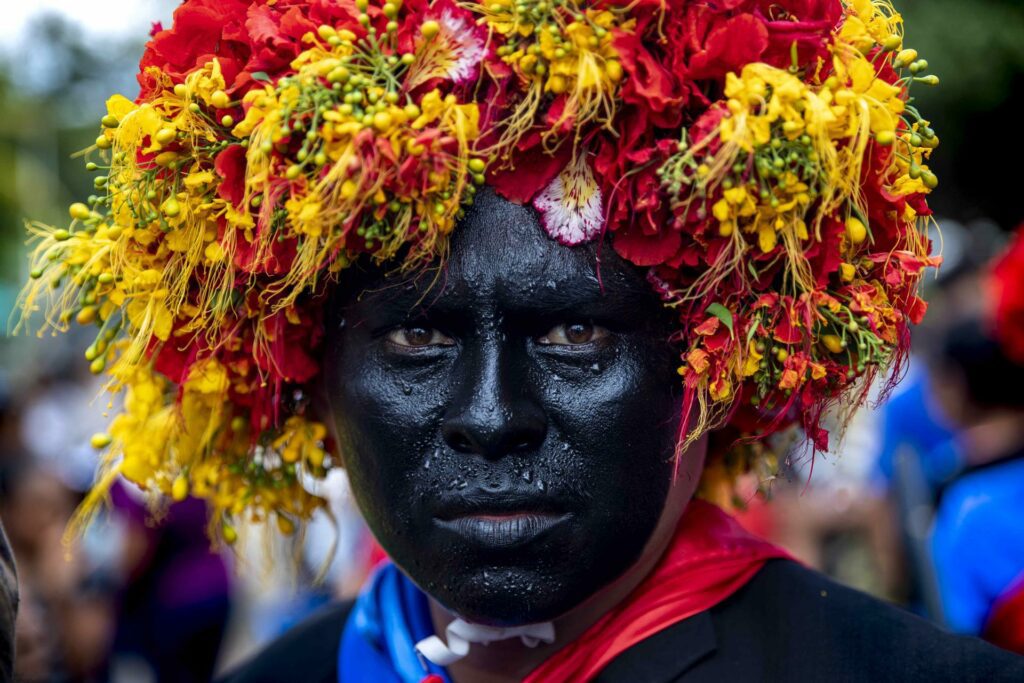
1008, 293
246, 36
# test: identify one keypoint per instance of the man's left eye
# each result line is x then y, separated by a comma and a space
573, 334
417, 336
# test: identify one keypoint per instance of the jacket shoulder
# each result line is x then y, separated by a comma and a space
307, 652
800, 623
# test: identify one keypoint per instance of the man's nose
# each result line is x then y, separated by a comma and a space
492, 411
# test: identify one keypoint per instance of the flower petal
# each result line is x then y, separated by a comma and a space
571, 205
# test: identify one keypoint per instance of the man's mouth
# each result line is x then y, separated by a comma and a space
501, 520
502, 531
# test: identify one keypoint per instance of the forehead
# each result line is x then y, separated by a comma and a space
500, 256
501, 244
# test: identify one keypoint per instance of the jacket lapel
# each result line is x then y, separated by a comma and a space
665, 656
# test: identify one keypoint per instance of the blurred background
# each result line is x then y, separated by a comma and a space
921, 505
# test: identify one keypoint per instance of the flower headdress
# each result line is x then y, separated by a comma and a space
760, 157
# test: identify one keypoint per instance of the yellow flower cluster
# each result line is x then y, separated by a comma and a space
835, 122
343, 184
196, 447
562, 48
782, 214
806, 144
137, 250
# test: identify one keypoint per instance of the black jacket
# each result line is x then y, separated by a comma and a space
788, 624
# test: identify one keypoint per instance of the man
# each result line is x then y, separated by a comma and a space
508, 444
515, 267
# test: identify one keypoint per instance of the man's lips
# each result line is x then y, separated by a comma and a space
499, 504
501, 520
502, 531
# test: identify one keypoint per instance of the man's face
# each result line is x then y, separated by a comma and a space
508, 422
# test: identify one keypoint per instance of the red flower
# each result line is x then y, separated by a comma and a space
1008, 291
200, 32
230, 166
720, 43
530, 172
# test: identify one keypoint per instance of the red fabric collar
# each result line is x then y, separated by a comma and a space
711, 557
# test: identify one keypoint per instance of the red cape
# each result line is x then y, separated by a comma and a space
710, 557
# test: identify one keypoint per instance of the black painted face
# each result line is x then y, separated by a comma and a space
506, 425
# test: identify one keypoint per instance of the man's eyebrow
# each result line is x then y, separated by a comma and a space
565, 297
407, 293
583, 297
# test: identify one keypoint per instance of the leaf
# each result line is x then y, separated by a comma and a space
723, 314
752, 331
260, 76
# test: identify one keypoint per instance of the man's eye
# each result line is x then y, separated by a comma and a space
572, 334
416, 336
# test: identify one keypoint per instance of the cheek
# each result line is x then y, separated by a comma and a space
618, 422
384, 423
375, 405
621, 415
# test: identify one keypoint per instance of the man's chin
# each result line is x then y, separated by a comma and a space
510, 595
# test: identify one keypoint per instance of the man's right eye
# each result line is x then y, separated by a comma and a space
417, 336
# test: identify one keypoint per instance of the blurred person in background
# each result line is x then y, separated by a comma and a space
175, 602
911, 460
65, 620
63, 624
8, 571
8, 607
978, 536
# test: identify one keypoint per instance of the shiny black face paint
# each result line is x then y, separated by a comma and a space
507, 425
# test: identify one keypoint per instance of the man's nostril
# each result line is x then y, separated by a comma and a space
460, 443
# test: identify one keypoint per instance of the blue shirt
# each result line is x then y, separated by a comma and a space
978, 542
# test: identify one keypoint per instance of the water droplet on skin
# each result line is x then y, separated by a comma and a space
541, 486
463, 484
596, 368
341, 324
550, 284
406, 389
527, 475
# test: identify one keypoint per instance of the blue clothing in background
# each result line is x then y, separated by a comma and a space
909, 425
978, 542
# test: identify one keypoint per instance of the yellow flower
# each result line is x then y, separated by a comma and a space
304, 213
720, 388
300, 440
752, 362
207, 377
207, 81
869, 23
146, 308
